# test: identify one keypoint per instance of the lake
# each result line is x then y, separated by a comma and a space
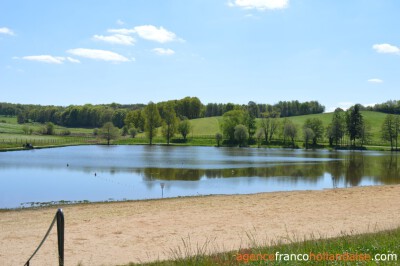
111, 173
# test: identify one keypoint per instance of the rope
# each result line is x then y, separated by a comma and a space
44, 239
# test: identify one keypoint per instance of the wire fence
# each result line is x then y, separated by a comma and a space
59, 217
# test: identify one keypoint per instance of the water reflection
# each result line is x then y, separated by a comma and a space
97, 173
350, 170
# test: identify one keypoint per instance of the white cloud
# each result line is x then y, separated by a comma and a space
149, 32
49, 59
162, 51
386, 48
260, 4
375, 80
116, 39
73, 60
98, 55
7, 31
152, 33
122, 31
120, 22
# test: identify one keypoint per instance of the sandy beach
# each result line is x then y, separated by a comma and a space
140, 231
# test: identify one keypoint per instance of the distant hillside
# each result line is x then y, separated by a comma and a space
210, 125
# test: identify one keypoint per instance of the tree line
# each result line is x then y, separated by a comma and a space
92, 116
347, 128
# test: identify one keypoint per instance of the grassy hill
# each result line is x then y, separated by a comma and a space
210, 125
202, 127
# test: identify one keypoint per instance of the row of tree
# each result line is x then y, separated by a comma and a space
89, 115
283, 108
239, 126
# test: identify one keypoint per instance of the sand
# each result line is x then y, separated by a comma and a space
141, 231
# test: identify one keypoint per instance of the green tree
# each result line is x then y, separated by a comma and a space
308, 135
184, 128
152, 121
135, 118
337, 128
109, 132
170, 122
316, 125
50, 128
218, 138
290, 131
250, 123
229, 121
365, 134
241, 135
389, 132
259, 137
269, 125
354, 122
133, 132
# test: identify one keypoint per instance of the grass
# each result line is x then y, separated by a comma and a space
385, 242
203, 133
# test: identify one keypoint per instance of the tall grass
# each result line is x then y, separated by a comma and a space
385, 242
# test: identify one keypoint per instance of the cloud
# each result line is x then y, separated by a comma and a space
122, 31
148, 32
98, 55
152, 33
7, 31
162, 51
260, 4
49, 59
120, 22
375, 81
116, 39
386, 48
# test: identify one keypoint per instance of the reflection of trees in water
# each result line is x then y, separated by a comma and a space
336, 170
357, 166
354, 169
391, 169
298, 172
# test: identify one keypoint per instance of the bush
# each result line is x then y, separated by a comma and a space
133, 132
66, 132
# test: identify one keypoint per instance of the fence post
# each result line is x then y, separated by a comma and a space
60, 236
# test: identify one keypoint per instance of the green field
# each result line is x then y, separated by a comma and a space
202, 134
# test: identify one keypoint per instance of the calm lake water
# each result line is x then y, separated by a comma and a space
102, 173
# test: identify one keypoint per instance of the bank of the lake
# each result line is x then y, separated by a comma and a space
141, 231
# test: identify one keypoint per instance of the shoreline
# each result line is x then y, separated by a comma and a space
111, 233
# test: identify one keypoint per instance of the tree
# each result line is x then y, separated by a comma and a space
389, 132
184, 128
229, 121
365, 134
337, 128
109, 132
308, 135
269, 124
354, 121
290, 131
241, 135
152, 121
218, 138
259, 136
316, 125
170, 122
135, 118
133, 132
250, 123
50, 128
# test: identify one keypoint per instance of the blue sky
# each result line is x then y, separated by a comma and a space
94, 51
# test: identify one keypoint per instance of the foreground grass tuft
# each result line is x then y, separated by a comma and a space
386, 242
